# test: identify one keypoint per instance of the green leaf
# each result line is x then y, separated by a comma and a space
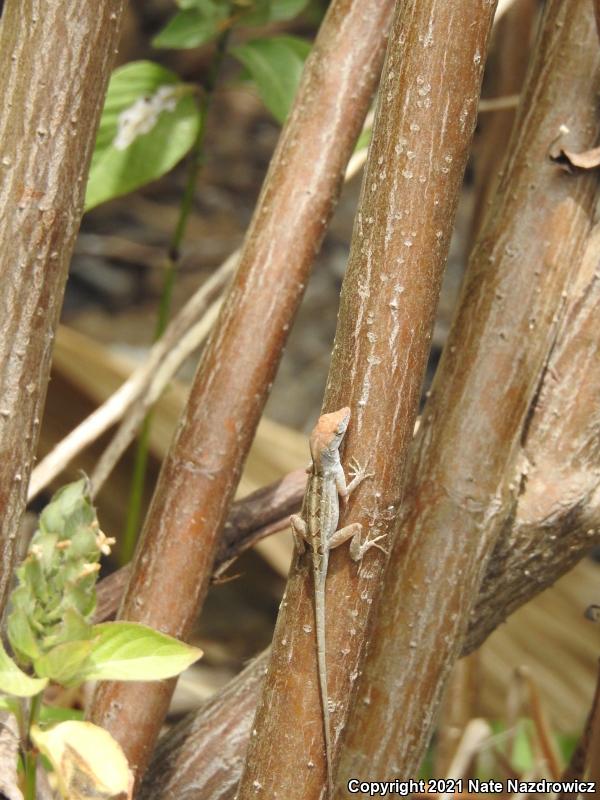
16, 682
49, 715
194, 26
66, 663
206, 5
275, 65
20, 634
286, 9
127, 651
150, 121
261, 12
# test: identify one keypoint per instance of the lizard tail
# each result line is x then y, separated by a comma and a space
320, 580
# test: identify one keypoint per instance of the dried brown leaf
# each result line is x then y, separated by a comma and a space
571, 161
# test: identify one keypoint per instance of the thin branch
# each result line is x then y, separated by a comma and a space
55, 60
174, 561
489, 104
184, 334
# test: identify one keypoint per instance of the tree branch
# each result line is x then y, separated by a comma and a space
464, 481
55, 60
557, 518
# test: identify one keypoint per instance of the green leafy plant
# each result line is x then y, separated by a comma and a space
201, 21
152, 119
53, 638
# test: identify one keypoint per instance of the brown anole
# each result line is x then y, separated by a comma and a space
317, 527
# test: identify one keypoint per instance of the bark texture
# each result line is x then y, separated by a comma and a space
180, 770
174, 560
464, 473
183, 763
557, 521
421, 141
55, 60
557, 517
510, 50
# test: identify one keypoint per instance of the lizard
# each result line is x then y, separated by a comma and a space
317, 526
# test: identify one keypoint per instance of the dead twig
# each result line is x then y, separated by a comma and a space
182, 337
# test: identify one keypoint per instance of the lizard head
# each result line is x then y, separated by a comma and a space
329, 432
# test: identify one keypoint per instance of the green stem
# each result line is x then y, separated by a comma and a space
138, 480
30, 760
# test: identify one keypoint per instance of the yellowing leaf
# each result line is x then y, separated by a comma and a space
16, 682
89, 764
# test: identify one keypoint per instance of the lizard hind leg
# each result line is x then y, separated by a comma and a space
299, 532
342, 535
358, 548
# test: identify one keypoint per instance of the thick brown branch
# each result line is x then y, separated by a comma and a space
464, 482
174, 563
558, 513
421, 140
55, 59
183, 763
203, 755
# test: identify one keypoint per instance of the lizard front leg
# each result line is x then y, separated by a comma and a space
358, 473
353, 531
